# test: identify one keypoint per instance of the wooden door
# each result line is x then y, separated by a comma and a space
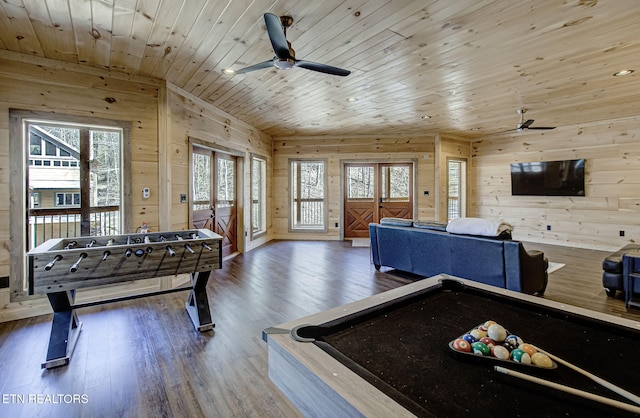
373, 191
359, 199
226, 220
214, 196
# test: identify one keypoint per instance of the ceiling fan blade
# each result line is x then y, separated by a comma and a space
526, 124
276, 35
322, 68
261, 66
542, 127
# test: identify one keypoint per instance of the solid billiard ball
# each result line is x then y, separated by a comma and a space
528, 348
486, 325
469, 338
509, 345
462, 345
478, 334
480, 348
541, 360
500, 352
497, 332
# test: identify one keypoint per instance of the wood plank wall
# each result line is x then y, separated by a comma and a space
612, 169
336, 150
191, 119
36, 84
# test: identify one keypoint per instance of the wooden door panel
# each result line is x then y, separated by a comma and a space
226, 226
395, 211
203, 219
357, 220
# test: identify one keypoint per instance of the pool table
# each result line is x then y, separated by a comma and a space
389, 355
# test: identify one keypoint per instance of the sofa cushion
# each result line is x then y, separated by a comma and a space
396, 221
433, 225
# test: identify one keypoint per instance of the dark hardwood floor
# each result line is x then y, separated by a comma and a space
142, 358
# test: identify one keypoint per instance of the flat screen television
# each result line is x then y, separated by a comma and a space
548, 178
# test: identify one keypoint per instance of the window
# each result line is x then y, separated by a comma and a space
67, 199
34, 199
93, 191
258, 196
456, 188
308, 195
74, 163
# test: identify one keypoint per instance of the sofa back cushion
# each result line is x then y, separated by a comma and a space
478, 259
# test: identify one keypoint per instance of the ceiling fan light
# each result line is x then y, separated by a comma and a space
228, 71
284, 63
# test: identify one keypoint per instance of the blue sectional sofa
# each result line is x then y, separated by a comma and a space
429, 250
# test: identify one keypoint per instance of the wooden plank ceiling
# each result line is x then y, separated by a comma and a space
467, 64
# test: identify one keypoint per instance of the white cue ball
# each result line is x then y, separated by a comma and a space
497, 332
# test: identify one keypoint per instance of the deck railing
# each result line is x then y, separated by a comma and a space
309, 213
45, 224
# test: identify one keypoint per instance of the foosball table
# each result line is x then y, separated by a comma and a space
60, 266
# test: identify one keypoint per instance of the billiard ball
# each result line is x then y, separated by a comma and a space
509, 345
497, 332
514, 339
462, 345
469, 338
520, 356
486, 325
488, 341
541, 360
528, 348
480, 348
478, 334
500, 352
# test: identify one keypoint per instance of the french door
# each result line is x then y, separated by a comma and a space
214, 195
374, 191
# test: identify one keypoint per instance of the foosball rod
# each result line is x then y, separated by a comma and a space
74, 266
50, 265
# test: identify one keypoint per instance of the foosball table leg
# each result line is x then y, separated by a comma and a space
198, 303
65, 329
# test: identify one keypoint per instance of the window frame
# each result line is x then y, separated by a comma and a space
293, 227
19, 151
262, 200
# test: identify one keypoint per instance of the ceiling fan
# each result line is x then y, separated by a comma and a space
285, 57
527, 124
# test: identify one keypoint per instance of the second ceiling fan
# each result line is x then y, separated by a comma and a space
285, 56
527, 124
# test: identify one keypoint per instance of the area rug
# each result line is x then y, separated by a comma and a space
360, 242
554, 267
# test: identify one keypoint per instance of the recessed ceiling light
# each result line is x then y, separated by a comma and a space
228, 71
426, 117
352, 99
622, 72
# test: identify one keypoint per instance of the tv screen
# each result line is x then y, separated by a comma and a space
548, 178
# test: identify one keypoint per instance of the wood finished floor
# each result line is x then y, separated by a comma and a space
142, 358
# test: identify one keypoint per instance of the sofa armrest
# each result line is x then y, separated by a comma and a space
373, 237
533, 271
